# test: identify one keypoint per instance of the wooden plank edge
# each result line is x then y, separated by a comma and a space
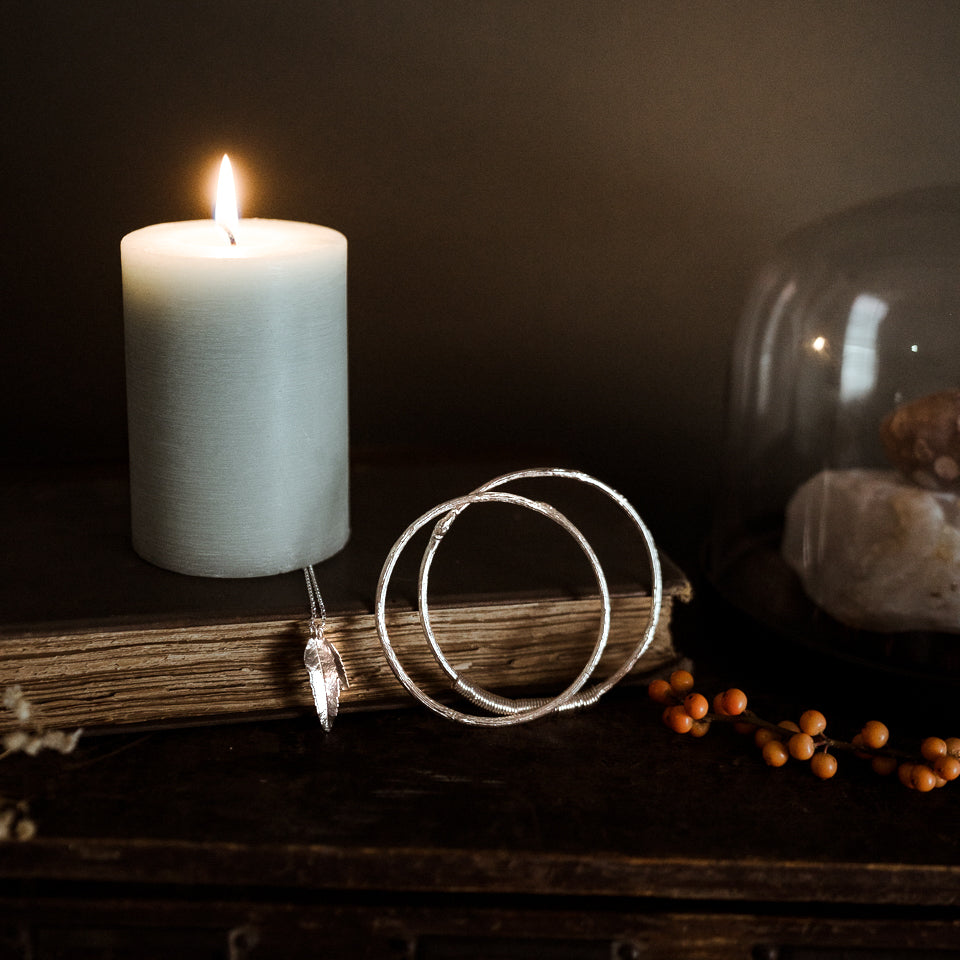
655, 930
187, 674
403, 869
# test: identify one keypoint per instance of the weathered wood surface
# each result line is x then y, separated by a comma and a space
600, 803
590, 834
67, 557
96, 636
188, 674
505, 930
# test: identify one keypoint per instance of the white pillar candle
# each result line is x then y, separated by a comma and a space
236, 359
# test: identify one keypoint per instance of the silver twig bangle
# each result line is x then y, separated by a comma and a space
497, 704
530, 710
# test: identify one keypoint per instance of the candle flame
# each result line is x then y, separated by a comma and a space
225, 210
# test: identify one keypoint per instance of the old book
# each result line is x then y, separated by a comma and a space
98, 638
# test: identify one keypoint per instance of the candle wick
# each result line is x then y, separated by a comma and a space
229, 233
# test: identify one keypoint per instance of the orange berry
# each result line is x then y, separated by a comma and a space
953, 746
813, 722
718, 706
905, 774
775, 753
884, 765
857, 743
947, 767
681, 681
789, 725
734, 702
875, 734
678, 720
763, 736
823, 765
933, 748
923, 778
660, 691
699, 728
801, 746
696, 705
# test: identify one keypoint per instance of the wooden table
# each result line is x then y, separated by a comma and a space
401, 835
598, 834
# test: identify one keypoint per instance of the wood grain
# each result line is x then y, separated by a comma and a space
98, 637
162, 675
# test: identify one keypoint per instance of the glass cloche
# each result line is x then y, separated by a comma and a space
838, 519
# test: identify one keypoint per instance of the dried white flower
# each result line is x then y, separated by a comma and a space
15, 822
28, 738
15, 741
15, 701
8, 816
60, 740
32, 741
25, 829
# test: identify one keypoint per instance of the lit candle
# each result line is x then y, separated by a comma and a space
236, 351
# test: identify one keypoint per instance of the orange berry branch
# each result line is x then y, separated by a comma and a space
687, 711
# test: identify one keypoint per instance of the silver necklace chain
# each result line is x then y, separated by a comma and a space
321, 658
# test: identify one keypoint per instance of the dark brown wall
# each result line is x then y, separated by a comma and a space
554, 207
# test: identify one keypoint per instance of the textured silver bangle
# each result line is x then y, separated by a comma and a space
503, 705
531, 710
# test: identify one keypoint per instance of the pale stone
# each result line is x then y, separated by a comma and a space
875, 551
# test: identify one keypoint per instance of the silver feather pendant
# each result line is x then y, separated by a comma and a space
327, 675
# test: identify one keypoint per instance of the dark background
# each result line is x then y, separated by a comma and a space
554, 208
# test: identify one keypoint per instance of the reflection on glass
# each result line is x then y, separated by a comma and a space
858, 375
